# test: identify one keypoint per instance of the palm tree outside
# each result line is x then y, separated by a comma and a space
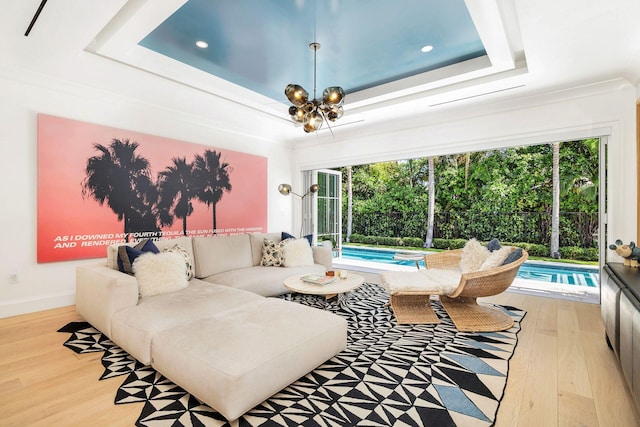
555, 209
211, 180
121, 178
349, 202
428, 242
175, 186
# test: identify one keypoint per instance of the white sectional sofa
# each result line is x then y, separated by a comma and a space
221, 337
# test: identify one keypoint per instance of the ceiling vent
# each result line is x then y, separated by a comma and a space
476, 96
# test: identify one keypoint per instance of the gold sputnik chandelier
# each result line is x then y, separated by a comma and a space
312, 113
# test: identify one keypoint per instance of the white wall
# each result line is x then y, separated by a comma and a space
22, 96
606, 109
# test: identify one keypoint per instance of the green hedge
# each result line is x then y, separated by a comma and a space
534, 249
356, 238
414, 242
448, 243
376, 240
577, 253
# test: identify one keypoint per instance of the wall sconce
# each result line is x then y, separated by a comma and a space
285, 190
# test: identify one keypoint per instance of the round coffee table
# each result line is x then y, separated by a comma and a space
339, 287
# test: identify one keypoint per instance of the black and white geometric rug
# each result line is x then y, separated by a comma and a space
390, 374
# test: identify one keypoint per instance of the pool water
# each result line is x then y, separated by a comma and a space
543, 272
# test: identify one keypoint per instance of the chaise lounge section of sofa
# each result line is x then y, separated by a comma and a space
222, 337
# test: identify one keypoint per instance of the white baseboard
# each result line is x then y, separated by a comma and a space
24, 306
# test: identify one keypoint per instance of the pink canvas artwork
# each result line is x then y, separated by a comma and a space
99, 185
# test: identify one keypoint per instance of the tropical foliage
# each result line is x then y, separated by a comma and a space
121, 178
506, 193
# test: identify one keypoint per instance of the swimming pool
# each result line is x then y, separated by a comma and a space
530, 270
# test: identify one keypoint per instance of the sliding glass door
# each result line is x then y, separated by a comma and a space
328, 206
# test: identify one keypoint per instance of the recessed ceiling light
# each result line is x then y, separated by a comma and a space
427, 48
202, 44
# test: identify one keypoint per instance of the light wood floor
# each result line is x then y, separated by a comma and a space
562, 373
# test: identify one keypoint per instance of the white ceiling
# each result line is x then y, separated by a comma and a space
533, 47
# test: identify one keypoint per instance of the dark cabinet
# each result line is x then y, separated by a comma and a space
620, 306
610, 290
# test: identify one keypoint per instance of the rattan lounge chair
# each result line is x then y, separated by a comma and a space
413, 306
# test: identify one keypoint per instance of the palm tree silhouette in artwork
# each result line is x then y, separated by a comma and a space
175, 187
121, 178
211, 178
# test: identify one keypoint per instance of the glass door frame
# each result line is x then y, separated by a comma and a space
329, 195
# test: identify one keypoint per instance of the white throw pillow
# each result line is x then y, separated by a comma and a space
297, 253
160, 273
473, 255
496, 258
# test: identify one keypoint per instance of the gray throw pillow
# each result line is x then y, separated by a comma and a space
513, 256
493, 245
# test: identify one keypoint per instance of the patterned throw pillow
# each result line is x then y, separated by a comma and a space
272, 253
128, 254
187, 259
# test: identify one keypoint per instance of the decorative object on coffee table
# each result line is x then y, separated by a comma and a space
318, 279
339, 288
